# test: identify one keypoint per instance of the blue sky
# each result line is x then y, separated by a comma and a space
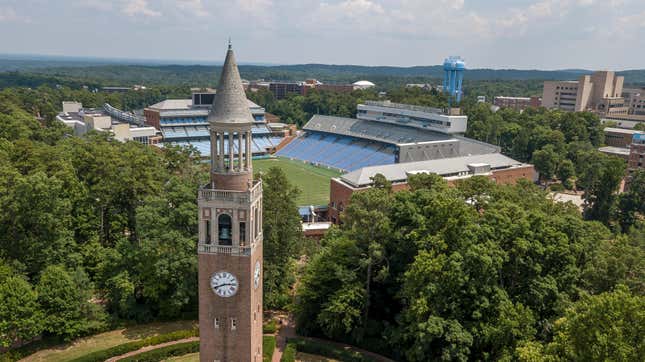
527, 34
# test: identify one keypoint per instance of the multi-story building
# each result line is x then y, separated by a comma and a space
600, 92
620, 137
517, 103
637, 152
124, 126
497, 167
282, 90
429, 118
635, 100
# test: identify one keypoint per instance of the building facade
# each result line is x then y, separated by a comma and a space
434, 119
637, 152
620, 137
600, 92
497, 167
230, 232
517, 103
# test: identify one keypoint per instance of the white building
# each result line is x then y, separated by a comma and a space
413, 116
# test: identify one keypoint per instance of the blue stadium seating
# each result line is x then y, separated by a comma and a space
341, 152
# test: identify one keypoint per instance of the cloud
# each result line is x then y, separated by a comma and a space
194, 7
9, 15
139, 7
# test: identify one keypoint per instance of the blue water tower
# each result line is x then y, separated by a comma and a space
454, 68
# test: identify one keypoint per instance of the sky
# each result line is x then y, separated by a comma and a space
521, 34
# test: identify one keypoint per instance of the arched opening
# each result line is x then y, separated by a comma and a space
225, 230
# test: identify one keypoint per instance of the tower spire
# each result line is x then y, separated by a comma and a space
230, 104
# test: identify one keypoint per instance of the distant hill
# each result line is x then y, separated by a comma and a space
127, 72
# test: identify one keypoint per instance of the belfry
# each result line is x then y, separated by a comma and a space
230, 231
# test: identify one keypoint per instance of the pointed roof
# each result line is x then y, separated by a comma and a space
230, 104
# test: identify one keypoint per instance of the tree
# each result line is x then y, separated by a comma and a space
600, 176
21, 319
565, 171
605, 327
282, 232
630, 203
545, 161
65, 303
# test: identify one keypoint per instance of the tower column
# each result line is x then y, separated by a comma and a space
240, 152
221, 151
231, 139
249, 152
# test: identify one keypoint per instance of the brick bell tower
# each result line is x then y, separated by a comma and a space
230, 232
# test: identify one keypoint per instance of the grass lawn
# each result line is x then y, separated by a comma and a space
312, 181
191, 357
106, 340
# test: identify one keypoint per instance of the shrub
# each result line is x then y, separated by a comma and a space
289, 354
328, 350
270, 327
162, 353
133, 346
556, 187
268, 345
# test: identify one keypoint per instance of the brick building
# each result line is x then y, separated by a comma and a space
620, 137
517, 103
497, 167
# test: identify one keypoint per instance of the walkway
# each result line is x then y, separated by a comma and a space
287, 330
149, 348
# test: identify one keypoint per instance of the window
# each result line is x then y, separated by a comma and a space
224, 225
216, 323
208, 231
233, 324
242, 232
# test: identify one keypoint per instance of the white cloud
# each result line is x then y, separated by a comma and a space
139, 7
9, 15
195, 7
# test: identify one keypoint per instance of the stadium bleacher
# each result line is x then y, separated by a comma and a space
337, 151
259, 145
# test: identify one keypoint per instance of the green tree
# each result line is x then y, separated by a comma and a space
631, 206
65, 303
282, 232
545, 161
565, 171
605, 327
21, 319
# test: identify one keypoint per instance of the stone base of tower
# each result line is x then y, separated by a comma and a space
232, 181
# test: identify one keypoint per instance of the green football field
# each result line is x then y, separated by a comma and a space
312, 181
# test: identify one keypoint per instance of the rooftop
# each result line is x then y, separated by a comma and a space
184, 104
623, 130
409, 107
615, 150
398, 172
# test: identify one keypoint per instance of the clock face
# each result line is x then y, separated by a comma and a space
224, 284
256, 274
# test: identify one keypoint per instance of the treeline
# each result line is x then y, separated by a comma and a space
475, 272
563, 146
94, 232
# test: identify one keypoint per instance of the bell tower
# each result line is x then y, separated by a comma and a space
230, 232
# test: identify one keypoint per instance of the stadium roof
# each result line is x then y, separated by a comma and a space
398, 172
383, 132
184, 104
230, 104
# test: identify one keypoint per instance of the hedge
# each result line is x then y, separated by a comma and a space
102, 355
270, 327
327, 350
268, 346
162, 353
289, 354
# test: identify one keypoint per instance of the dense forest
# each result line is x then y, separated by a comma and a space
95, 233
